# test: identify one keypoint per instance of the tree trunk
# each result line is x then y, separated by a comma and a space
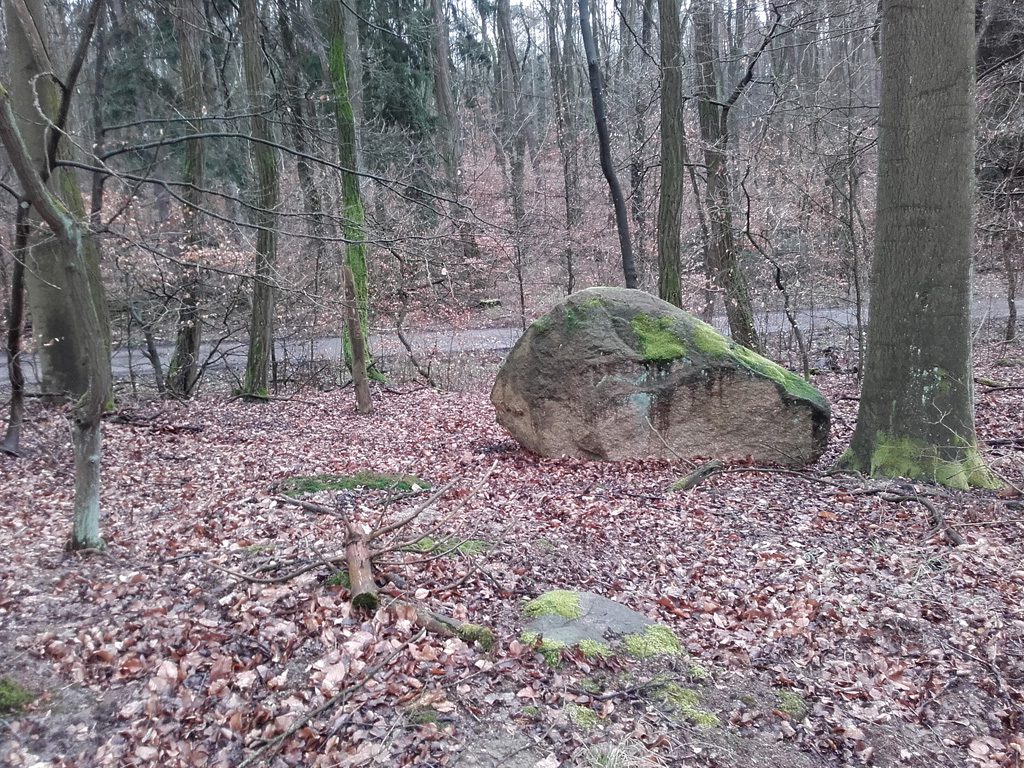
264, 157
562, 62
69, 307
714, 131
352, 201
183, 371
604, 145
292, 87
673, 138
916, 416
359, 377
1011, 287
449, 132
15, 329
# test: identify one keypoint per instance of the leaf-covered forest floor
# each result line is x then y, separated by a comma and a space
787, 593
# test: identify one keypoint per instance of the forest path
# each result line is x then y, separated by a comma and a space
229, 355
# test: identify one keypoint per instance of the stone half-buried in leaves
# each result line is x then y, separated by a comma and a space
613, 373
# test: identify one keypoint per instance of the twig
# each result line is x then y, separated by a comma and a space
402, 522
271, 747
415, 513
986, 523
668, 447
308, 506
937, 518
275, 579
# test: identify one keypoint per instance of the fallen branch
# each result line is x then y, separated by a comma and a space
938, 520
698, 476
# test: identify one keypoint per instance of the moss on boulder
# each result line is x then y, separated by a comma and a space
612, 373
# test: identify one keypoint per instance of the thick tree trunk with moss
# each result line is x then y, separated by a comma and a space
916, 415
352, 201
183, 371
65, 289
264, 159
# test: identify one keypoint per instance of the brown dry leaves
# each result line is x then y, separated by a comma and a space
909, 651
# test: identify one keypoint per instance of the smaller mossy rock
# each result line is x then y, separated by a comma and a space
615, 374
597, 626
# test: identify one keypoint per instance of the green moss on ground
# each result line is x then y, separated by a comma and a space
14, 697
475, 633
686, 703
582, 717
428, 545
420, 715
918, 460
338, 579
698, 672
659, 343
299, 486
792, 704
656, 640
558, 602
592, 649
551, 650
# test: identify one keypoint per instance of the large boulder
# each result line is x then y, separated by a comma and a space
613, 373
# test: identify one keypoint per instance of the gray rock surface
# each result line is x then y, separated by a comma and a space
615, 374
600, 620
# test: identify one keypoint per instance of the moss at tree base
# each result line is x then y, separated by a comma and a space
916, 459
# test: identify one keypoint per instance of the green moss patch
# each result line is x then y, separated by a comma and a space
918, 460
475, 633
300, 486
792, 704
582, 717
419, 715
658, 341
430, 546
338, 579
551, 650
592, 649
686, 703
656, 640
13, 697
711, 343
558, 602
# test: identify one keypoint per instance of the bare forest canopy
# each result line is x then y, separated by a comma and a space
476, 159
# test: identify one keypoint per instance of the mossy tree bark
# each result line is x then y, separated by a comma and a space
264, 159
916, 415
352, 201
184, 369
66, 293
673, 138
